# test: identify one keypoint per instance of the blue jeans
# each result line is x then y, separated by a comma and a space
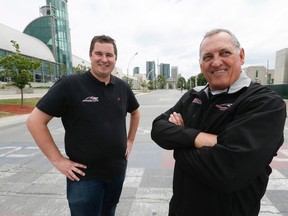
94, 197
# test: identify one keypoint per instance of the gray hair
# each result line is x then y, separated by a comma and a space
216, 31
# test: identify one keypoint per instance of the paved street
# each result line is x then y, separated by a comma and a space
30, 186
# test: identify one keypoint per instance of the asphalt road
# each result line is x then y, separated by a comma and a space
31, 186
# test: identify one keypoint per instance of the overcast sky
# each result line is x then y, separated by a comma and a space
166, 31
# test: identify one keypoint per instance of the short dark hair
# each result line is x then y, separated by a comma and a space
103, 39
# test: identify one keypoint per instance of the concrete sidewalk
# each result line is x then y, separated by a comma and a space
12, 94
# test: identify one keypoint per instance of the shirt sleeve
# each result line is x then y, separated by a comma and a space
132, 101
170, 136
54, 102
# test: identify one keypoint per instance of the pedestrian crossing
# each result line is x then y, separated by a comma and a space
147, 190
147, 200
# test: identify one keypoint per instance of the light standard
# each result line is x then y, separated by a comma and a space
129, 63
147, 77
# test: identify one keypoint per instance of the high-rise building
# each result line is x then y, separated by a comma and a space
52, 28
165, 70
174, 72
150, 70
136, 70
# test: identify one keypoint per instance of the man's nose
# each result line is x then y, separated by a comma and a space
217, 61
104, 58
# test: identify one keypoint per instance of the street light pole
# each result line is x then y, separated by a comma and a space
129, 63
147, 77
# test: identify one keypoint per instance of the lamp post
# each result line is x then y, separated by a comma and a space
147, 77
129, 64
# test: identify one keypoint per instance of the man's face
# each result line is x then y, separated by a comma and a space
220, 61
103, 60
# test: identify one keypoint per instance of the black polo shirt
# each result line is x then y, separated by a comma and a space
94, 117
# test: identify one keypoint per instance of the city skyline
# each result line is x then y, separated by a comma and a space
167, 31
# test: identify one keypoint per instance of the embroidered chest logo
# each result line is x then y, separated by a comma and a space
197, 101
223, 107
91, 99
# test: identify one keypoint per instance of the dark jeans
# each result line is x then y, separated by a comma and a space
94, 197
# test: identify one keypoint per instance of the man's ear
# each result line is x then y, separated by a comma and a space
242, 56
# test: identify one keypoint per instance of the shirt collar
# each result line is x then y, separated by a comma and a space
242, 81
111, 81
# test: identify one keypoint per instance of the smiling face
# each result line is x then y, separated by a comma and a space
103, 60
220, 60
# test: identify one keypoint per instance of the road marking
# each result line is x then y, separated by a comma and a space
267, 208
14, 149
142, 131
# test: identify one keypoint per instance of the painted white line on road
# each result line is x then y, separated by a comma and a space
14, 149
276, 175
267, 208
277, 181
32, 148
20, 155
278, 184
6, 174
133, 177
280, 158
142, 131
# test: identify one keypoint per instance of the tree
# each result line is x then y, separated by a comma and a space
129, 80
181, 83
161, 81
201, 81
191, 82
143, 84
80, 68
19, 68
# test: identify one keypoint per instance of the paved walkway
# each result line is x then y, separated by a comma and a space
147, 190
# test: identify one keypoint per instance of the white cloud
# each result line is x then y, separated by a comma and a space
166, 30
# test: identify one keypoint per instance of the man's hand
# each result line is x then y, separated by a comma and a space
176, 118
205, 139
69, 168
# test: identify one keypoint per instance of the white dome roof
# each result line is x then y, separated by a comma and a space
28, 45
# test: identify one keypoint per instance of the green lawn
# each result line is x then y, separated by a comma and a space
27, 101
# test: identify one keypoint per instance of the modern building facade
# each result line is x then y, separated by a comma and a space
136, 70
46, 38
30, 47
260, 74
281, 67
150, 70
52, 28
174, 72
165, 70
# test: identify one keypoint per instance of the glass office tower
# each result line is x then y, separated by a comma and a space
52, 27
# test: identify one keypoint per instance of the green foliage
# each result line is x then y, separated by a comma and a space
63, 69
201, 81
19, 68
143, 84
129, 80
152, 84
27, 101
80, 68
161, 82
181, 83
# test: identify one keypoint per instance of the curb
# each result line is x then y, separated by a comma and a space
13, 120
